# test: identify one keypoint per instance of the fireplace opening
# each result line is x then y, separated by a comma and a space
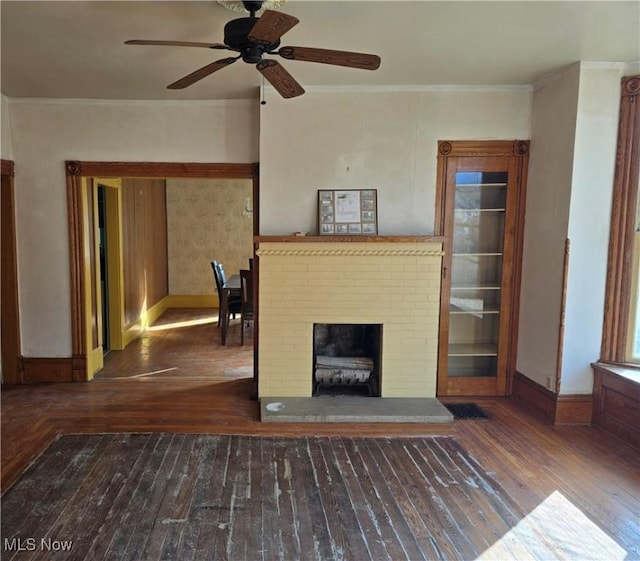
347, 359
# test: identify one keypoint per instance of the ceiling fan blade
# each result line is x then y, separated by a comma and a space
279, 78
176, 44
327, 56
271, 26
202, 73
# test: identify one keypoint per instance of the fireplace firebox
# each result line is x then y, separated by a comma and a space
347, 359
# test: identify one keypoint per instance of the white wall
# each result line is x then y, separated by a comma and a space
589, 223
46, 133
573, 137
372, 139
547, 216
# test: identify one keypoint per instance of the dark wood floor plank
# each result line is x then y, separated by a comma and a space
176, 381
456, 493
126, 543
336, 533
395, 524
272, 536
92, 498
255, 523
148, 534
100, 521
212, 499
314, 533
38, 497
341, 514
218, 528
284, 451
240, 525
382, 498
164, 521
179, 518
197, 514
499, 513
372, 527
429, 532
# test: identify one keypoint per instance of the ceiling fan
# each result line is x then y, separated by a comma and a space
255, 37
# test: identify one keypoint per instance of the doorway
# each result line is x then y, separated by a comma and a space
103, 266
83, 272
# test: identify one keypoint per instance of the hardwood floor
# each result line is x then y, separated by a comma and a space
181, 380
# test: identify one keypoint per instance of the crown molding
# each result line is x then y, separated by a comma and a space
414, 88
577, 67
129, 102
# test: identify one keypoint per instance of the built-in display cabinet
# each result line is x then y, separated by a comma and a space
480, 208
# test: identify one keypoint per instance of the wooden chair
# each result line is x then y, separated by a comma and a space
229, 305
246, 309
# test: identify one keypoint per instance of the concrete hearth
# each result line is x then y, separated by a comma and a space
346, 409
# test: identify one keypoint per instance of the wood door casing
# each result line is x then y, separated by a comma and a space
76, 173
10, 311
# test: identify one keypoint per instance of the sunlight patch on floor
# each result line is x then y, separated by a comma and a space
555, 529
187, 323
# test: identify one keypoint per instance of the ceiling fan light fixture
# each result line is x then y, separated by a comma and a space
238, 6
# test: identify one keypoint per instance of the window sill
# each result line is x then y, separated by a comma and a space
627, 371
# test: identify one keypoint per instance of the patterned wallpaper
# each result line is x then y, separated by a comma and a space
205, 221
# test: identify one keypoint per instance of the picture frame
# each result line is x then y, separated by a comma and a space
351, 212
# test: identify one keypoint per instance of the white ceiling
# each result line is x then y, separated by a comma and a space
62, 49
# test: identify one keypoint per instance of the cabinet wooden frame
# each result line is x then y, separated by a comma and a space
507, 155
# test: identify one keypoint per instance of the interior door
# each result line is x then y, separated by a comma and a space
480, 274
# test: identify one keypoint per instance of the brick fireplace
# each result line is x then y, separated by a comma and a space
393, 282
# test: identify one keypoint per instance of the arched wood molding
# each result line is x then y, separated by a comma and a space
75, 171
623, 218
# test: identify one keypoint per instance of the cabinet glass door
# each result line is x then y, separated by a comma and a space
480, 214
479, 208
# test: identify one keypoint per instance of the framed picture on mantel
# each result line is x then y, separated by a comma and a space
348, 212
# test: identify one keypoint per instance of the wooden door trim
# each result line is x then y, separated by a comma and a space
623, 222
10, 316
518, 152
75, 172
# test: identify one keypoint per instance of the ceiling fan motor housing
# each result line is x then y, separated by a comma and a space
252, 6
236, 34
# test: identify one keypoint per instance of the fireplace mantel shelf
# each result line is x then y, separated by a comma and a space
348, 239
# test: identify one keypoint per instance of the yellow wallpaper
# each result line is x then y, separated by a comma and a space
205, 221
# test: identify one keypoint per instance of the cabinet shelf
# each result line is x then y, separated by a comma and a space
461, 312
476, 254
477, 287
469, 210
473, 349
475, 185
